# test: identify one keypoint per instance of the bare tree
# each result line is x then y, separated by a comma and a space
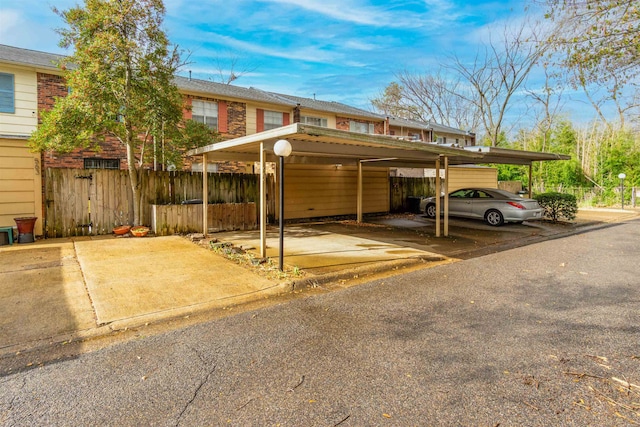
497, 72
428, 98
441, 99
230, 69
548, 101
611, 92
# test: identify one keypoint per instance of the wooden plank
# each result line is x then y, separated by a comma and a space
17, 197
25, 162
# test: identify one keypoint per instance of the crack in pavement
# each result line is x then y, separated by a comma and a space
197, 390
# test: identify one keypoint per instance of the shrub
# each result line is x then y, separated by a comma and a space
558, 205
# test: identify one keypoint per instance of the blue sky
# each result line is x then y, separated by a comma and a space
339, 50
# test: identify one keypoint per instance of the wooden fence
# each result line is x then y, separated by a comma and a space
83, 202
89, 202
401, 188
179, 219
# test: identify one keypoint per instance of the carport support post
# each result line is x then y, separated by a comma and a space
205, 196
446, 196
438, 197
263, 204
359, 194
530, 179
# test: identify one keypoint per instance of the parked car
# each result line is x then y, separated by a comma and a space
490, 204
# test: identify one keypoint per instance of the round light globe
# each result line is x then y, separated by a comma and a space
622, 176
282, 148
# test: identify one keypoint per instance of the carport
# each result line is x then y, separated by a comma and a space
507, 156
323, 146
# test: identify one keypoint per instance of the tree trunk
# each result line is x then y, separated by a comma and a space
135, 185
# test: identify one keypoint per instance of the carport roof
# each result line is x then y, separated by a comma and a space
513, 157
315, 144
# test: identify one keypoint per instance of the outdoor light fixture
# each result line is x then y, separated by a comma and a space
622, 176
282, 149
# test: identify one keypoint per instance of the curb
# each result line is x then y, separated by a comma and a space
366, 270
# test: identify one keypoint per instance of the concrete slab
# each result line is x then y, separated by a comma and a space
319, 252
42, 293
131, 278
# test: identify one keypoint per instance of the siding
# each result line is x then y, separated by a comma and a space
25, 119
469, 176
20, 184
321, 190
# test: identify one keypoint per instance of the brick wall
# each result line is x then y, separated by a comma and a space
236, 127
51, 87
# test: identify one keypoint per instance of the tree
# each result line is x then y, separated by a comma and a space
120, 77
602, 37
428, 98
497, 72
599, 43
392, 102
230, 69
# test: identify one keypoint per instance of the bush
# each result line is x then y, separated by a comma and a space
558, 205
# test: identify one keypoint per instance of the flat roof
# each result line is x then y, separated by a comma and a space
320, 145
514, 157
315, 144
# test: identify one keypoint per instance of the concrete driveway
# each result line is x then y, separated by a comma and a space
62, 289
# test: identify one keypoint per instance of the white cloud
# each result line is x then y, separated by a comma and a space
306, 53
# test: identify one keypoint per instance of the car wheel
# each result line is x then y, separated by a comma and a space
494, 217
430, 210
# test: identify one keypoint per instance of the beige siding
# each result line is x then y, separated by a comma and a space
25, 119
321, 190
469, 176
20, 183
331, 118
251, 119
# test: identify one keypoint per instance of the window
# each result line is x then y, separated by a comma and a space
360, 127
205, 112
94, 163
315, 121
7, 98
272, 120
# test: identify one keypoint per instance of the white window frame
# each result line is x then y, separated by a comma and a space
273, 119
361, 127
314, 121
205, 112
7, 93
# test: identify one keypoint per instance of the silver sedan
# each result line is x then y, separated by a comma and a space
492, 205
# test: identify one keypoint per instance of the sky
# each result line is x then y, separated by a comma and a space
335, 50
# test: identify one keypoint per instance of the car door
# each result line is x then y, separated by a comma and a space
482, 202
460, 203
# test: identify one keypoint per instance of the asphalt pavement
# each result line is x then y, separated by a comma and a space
58, 291
544, 334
